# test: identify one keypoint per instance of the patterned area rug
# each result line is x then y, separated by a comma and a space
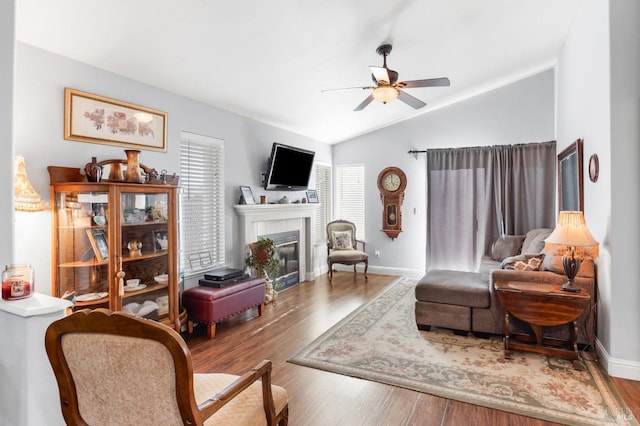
380, 342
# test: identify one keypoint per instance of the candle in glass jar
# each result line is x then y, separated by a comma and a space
17, 282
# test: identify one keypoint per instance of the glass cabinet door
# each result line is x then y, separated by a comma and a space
145, 242
81, 224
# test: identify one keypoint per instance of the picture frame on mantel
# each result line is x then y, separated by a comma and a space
246, 195
101, 120
570, 176
312, 196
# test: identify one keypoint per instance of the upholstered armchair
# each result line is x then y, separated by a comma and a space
113, 368
342, 246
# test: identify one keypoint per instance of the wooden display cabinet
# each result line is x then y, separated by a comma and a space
108, 232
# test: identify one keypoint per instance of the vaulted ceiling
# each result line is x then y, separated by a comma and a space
271, 60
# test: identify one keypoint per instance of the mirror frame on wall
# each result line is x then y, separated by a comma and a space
570, 187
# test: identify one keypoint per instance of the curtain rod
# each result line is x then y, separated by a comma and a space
416, 152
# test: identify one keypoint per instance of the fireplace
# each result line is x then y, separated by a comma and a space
269, 219
287, 250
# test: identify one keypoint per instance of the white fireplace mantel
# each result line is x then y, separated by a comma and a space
261, 219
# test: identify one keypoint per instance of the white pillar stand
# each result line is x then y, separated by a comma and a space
28, 388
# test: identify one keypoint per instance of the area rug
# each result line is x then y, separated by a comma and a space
380, 342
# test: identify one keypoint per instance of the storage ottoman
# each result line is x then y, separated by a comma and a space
209, 305
447, 299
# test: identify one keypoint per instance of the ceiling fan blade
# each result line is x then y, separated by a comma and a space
364, 103
348, 88
410, 100
380, 74
428, 82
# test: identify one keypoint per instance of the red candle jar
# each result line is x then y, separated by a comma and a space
17, 282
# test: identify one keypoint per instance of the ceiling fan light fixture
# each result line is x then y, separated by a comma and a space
384, 94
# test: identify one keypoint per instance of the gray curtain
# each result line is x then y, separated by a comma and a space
476, 194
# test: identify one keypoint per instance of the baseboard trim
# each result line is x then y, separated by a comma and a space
616, 367
412, 273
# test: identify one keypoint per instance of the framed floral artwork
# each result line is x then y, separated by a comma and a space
97, 119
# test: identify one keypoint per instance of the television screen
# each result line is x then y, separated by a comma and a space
289, 168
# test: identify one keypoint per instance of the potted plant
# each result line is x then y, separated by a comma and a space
264, 259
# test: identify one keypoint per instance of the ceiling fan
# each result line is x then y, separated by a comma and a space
387, 87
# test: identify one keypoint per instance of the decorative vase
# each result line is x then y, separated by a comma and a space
132, 174
115, 172
93, 170
270, 293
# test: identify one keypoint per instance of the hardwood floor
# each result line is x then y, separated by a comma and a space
316, 397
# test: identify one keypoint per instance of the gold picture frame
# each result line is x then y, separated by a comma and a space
99, 244
97, 119
160, 243
570, 187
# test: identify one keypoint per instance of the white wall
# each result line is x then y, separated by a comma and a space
520, 112
598, 93
7, 62
39, 108
625, 205
584, 112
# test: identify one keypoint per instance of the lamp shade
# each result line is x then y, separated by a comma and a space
385, 93
571, 231
26, 198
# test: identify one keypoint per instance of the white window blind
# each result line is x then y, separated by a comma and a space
350, 195
323, 214
202, 227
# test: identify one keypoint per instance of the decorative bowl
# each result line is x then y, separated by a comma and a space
162, 279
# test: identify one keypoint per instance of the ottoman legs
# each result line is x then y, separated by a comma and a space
211, 330
211, 327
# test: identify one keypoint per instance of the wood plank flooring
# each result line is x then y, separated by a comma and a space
316, 397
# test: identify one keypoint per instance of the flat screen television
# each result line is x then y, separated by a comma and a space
289, 168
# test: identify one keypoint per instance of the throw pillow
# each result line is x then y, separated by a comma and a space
341, 240
523, 262
506, 246
534, 240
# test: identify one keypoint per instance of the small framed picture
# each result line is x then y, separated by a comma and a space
99, 244
312, 196
246, 196
160, 241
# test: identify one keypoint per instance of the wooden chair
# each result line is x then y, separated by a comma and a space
342, 246
113, 368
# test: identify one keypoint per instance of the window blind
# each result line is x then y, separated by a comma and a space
350, 195
323, 214
202, 229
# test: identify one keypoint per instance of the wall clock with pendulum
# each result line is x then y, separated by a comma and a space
392, 183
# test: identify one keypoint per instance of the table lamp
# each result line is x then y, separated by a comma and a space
571, 232
26, 198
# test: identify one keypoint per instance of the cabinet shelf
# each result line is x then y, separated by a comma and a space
81, 227
81, 263
144, 256
94, 262
149, 223
92, 304
148, 289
